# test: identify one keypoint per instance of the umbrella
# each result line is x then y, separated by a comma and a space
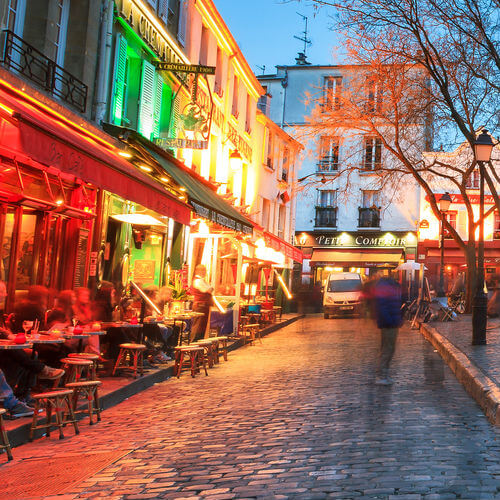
411, 265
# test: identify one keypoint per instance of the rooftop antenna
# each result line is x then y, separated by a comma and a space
262, 68
302, 56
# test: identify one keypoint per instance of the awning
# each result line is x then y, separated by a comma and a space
280, 245
456, 256
368, 258
36, 133
204, 200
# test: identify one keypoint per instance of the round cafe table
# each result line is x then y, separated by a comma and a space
10, 344
79, 336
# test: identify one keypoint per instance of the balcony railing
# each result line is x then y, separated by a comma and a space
26, 60
326, 217
327, 164
369, 217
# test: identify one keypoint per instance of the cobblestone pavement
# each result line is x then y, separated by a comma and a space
296, 417
486, 357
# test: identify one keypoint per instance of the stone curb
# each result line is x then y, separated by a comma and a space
481, 387
19, 435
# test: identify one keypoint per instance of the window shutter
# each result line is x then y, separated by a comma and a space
174, 117
146, 100
181, 29
157, 106
163, 10
118, 97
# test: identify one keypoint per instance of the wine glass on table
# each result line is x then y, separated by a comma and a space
27, 326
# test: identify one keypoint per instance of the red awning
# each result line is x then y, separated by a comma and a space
55, 143
456, 256
280, 245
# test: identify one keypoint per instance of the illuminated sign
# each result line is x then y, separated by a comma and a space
241, 145
134, 13
174, 143
357, 240
186, 68
424, 224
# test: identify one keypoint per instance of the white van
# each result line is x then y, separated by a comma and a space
342, 294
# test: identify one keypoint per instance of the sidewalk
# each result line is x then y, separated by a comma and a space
476, 367
114, 390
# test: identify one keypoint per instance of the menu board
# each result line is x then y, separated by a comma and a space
81, 258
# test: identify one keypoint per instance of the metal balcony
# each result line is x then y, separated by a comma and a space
369, 217
21, 57
326, 217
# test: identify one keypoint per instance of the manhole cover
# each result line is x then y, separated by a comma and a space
52, 476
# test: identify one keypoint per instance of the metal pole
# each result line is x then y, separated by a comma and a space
479, 306
440, 292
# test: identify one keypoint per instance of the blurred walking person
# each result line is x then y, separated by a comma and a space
387, 302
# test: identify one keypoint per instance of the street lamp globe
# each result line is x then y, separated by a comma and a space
444, 202
483, 146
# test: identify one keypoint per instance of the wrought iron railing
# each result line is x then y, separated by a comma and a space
369, 217
326, 217
23, 58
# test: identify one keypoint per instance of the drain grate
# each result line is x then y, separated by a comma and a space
40, 477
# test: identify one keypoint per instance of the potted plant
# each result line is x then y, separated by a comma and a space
179, 293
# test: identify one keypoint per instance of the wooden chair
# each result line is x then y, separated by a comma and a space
251, 331
130, 358
89, 390
5, 444
191, 356
54, 400
77, 369
222, 346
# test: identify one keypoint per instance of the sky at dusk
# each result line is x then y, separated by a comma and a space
264, 30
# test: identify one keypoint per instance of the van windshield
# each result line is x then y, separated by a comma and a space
344, 285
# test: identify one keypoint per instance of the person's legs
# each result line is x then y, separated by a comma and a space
387, 348
6, 393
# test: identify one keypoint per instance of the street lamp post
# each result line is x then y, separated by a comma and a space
482, 151
444, 204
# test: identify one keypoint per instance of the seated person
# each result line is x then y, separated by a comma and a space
15, 407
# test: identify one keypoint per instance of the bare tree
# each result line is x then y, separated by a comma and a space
436, 65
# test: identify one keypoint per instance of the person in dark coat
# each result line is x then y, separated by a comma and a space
202, 299
387, 302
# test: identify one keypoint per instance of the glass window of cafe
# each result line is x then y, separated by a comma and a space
44, 224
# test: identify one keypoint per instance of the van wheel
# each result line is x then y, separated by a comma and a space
327, 316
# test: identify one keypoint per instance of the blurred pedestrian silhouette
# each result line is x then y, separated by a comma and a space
387, 302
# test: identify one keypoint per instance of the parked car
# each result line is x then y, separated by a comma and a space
342, 294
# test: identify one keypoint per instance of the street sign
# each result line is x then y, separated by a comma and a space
169, 143
186, 68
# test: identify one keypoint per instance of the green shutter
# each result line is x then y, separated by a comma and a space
147, 100
157, 109
174, 118
118, 96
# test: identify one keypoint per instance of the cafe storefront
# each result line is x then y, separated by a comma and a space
364, 253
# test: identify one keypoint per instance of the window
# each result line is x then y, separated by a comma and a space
374, 95
473, 180
284, 166
15, 16
496, 226
269, 159
266, 210
248, 115
451, 217
281, 221
327, 197
373, 153
61, 24
329, 154
204, 44
369, 212
264, 101
218, 74
234, 107
332, 90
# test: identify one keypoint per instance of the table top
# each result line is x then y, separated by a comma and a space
183, 316
121, 324
75, 335
95, 332
9, 345
46, 339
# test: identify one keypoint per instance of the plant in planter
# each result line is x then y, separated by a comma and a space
179, 293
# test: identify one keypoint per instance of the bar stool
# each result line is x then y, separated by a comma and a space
133, 353
250, 331
89, 356
195, 357
89, 390
221, 341
76, 369
209, 350
5, 445
54, 400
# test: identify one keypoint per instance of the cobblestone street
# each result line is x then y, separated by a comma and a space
298, 416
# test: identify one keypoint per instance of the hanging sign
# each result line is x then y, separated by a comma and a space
185, 68
174, 143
